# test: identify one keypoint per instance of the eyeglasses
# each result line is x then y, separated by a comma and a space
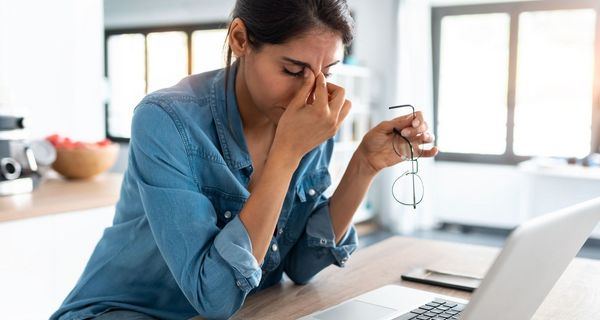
410, 179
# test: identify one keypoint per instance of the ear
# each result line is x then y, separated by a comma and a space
238, 38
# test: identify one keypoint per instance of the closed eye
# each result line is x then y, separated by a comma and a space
301, 73
294, 74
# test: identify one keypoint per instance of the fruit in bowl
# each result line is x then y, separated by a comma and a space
82, 160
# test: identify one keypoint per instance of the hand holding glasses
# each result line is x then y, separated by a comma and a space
408, 188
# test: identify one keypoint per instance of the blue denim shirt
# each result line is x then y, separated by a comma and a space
177, 247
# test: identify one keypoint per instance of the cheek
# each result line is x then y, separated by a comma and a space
284, 88
274, 90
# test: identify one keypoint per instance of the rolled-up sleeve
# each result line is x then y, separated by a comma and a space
213, 267
316, 248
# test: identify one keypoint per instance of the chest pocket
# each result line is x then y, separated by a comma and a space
313, 185
227, 206
308, 191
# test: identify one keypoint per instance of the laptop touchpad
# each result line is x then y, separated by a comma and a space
354, 310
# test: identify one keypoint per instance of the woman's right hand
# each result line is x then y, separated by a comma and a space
303, 126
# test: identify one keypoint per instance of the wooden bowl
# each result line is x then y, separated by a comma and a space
84, 163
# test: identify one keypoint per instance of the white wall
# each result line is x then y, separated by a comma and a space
51, 65
136, 13
476, 194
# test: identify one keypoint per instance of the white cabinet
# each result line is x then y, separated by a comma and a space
42, 258
548, 187
506, 196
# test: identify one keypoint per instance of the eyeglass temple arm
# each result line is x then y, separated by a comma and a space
404, 106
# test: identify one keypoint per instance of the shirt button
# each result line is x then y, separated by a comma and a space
312, 192
274, 247
280, 231
227, 214
238, 283
323, 241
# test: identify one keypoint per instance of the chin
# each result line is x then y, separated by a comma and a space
275, 119
276, 115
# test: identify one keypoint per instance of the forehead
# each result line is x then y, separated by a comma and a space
314, 46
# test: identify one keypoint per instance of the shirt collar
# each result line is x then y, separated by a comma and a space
228, 121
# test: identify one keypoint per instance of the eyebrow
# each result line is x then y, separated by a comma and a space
306, 65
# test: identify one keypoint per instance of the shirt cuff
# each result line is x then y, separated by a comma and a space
319, 232
235, 247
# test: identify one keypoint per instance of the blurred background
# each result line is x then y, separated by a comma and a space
511, 90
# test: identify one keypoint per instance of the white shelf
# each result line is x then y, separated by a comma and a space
356, 81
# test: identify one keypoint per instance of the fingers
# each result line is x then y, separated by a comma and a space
426, 153
402, 122
321, 94
337, 98
421, 145
300, 98
416, 126
345, 110
421, 139
411, 132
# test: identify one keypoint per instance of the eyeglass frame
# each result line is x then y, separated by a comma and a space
413, 161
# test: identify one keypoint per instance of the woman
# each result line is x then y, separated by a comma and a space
223, 190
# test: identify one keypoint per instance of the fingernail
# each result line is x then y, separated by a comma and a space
416, 123
405, 132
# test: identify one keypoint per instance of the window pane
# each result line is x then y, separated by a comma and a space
126, 75
473, 80
553, 110
167, 59
207, 50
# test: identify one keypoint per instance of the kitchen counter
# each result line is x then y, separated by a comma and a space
57, 195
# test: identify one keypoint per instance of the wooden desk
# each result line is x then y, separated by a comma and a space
56, 195
575, 296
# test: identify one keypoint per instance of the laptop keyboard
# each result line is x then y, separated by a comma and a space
438, 309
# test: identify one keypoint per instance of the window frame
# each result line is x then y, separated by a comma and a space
513, 9
188, 29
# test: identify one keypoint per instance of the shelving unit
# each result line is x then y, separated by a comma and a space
356, 81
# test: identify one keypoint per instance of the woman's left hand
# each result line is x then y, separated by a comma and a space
376, 147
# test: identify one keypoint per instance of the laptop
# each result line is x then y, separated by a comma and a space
533, 258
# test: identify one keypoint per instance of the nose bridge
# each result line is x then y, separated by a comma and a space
317, 65
316, 69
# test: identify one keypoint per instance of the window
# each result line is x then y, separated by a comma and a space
140, 61
516, 80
